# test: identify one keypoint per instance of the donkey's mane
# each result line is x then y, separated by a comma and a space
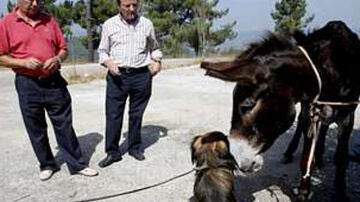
269, 44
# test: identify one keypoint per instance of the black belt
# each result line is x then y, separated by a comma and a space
130, 70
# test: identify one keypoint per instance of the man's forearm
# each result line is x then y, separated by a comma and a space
10, 62
61, 56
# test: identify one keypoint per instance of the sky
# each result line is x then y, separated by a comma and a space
254, 15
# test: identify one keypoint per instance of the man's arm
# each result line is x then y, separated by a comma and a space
10, 62
156, 54
104, 50
55, 62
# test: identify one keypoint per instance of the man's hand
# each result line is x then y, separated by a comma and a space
113, 67
52, 63
32, 63
155, 68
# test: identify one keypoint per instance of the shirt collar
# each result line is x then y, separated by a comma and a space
16, 17
126, 23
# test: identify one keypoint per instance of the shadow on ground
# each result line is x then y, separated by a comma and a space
150, 134
88, 144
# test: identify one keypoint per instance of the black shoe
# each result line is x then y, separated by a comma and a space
108, 160
137, 155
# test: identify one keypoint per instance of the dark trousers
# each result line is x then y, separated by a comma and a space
136, 86
37, 96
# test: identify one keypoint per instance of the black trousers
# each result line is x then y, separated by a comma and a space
137, 86
37, 96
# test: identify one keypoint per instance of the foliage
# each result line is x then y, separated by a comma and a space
10, 6
188, 22
101, 10
181, 25
288, 16
63, 13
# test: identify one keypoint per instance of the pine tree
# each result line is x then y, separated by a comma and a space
100, 10
187, 23
289, 16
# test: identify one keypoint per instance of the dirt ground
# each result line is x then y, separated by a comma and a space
184, 103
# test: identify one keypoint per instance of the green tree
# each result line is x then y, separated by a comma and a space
62, 12
289, 16
100, 11
188, 22
10, 6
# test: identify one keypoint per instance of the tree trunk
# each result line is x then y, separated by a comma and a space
89, 31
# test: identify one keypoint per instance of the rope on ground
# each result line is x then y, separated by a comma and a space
137, 190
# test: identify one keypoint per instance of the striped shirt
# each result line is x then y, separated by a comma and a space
128, 45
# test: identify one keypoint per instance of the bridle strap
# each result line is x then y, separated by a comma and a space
318, 78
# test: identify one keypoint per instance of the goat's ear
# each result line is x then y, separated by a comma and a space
241, 71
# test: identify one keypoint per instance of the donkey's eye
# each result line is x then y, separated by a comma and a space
247, 105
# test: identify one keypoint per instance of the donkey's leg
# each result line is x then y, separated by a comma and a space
305, 183
342, 155
301, 128
320, 145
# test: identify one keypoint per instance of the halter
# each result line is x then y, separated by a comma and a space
315, 111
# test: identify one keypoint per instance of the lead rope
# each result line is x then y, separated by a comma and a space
314, 115
140, 189
315, 112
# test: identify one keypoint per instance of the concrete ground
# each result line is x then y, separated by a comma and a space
184, 103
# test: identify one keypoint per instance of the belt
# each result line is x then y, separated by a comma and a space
49, 78
130, 70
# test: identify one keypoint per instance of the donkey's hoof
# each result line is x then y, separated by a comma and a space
302, 196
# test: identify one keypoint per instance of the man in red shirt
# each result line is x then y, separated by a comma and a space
33, 45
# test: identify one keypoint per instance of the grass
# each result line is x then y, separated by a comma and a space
75, 79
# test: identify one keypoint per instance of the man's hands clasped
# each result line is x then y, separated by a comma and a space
53, 64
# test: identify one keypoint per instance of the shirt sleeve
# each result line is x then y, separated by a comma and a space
154, 45
60, 39
104, 46
4, 42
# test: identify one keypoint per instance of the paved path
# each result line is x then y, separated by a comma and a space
184, 103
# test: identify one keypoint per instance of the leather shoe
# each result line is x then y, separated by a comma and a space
108, 160
137, 155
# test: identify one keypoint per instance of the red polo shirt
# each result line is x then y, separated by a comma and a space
20, 40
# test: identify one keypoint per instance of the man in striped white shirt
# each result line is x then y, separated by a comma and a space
129, 50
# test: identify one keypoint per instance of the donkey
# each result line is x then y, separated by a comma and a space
273, 75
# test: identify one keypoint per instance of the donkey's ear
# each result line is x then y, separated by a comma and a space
236, 71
